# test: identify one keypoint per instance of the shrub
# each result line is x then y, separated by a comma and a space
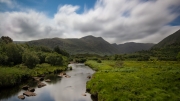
30, 59
54, 59
99, 61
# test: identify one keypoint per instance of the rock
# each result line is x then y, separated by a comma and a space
31, 89
27, 93
38, 78
48, 80
41, 78
21, 97
89, 77
83, 94
25, 87
64, 73
41, 85
67, 76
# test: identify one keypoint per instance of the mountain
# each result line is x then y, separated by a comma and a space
90, 44
170, 40
131, 47
168, 48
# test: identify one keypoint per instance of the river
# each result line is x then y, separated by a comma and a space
59, 89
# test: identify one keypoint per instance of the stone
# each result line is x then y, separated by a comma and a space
31, 89
48, 80
83, 94
25, 87
89, 77
28, 93
41, 85
21, 97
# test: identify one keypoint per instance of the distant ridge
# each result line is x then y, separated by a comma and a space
92, 45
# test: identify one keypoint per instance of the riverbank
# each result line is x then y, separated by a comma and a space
10, 76
135, 80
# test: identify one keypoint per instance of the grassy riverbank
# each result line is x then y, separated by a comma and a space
10, 76
135, 80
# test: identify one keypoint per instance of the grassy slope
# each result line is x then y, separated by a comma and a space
145, 81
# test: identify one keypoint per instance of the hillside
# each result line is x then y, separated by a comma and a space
133, 47
91, 44
168, 48
170, 40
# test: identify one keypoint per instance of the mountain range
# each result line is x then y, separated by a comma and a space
97, 45
92, 45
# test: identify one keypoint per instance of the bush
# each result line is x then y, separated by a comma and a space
54, 59
30, 59
99, 61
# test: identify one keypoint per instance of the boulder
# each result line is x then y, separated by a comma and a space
38, 78
67, 76
25, 87
28, 93
83, 94
21, 97
48, 80
89, 77
31, 89
41, 85
64, 73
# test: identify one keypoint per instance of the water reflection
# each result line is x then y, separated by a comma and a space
61, 89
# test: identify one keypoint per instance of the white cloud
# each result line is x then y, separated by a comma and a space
116, 21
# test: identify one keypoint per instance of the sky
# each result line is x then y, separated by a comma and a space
117, 21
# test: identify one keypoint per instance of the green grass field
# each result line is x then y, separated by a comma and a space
135, 81
10, 76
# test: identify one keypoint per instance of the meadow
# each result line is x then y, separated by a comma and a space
135, 80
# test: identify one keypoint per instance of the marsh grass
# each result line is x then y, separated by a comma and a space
10, 76
144, 81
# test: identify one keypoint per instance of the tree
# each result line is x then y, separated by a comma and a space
6, 39
54, 59
14, 53
30, 59
60, 51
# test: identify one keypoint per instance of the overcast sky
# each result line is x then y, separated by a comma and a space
117, 21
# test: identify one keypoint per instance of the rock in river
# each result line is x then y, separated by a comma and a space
48, 80
41, 85
25, 87
31, 89
28, 93
21, 97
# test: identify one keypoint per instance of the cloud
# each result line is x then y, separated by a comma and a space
117, 21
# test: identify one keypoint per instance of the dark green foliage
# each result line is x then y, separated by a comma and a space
14, 53
99, 61
3, 59
30, 59
59, 51
6, 39
41, 56
54, 59
80, 60
178, 56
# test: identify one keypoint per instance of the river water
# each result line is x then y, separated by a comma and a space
59, 89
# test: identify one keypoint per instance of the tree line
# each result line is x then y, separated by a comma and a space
12, 54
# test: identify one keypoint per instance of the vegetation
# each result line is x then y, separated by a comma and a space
135, 80
19, 61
